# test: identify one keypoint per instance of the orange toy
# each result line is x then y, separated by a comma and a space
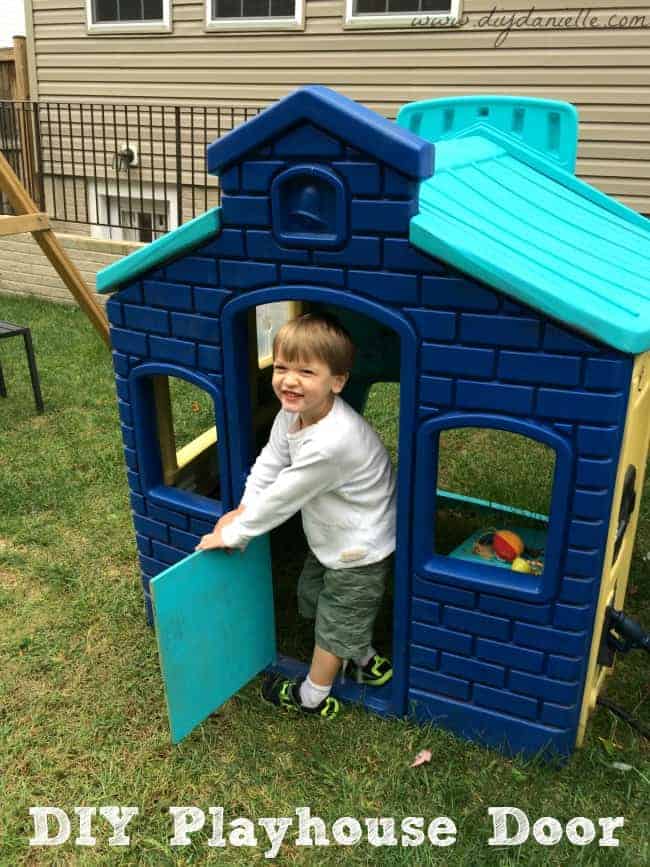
507, 545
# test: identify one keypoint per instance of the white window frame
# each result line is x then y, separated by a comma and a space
102, 195
163, 25
258, 24
411, 20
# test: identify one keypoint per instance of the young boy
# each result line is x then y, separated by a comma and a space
323, 459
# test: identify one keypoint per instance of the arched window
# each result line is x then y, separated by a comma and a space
179, 439
491, 504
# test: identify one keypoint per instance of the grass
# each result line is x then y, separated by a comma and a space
82, 712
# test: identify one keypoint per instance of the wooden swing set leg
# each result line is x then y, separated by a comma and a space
29, 219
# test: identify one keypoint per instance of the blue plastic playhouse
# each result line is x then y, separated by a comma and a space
503, 294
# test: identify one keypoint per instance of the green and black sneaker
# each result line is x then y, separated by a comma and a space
376, 672
285, 693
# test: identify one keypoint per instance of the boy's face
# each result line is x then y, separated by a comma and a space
307, 387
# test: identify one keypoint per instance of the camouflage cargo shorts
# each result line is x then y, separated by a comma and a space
344, 603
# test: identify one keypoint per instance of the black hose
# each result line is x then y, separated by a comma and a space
632, 633
624, 715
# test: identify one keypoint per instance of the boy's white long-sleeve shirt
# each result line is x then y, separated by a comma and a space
338, 473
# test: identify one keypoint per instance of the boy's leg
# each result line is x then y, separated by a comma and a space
317, 686
310, 697
347, 609
324, 667
369, 667
310, 584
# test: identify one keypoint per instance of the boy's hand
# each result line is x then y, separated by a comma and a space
211, 541
228, 517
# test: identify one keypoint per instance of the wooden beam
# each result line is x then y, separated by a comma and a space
22, 203
26, 115
71, 276
22, 73
194, 448
8, 74
24, 223
166, 435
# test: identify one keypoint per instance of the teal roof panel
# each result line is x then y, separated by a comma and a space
545, 125
522, 225
153, 255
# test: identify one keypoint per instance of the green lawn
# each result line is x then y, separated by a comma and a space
82, 712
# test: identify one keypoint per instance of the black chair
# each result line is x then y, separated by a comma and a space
8, 329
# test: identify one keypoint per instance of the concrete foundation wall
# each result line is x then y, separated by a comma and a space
24, 270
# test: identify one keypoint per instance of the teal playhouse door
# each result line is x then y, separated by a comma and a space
213, 614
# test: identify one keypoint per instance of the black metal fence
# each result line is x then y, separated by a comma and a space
136, 170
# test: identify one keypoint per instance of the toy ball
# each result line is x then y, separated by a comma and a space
507, 545
521, 565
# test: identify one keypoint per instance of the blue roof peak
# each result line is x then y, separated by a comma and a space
334, 113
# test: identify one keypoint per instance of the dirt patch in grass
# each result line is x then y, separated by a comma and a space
9, 547
8, 580
14, 582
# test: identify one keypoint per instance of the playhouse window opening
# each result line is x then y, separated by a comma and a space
187, 436
494, 492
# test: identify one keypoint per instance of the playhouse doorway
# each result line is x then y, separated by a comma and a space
374, 390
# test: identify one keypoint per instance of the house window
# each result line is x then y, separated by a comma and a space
264, 322
123, 211
255, 14
127, 10
144, 223
401, 13
119, 15
269, 318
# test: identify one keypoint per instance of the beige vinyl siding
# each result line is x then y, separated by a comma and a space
604, 72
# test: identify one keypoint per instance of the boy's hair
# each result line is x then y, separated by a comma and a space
316, 335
